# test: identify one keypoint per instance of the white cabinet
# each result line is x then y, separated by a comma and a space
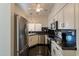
31, 27
56, 18
37, 39
34, 27
69, 52
33, 40
60, 19
38, 27
69, 16
65, 17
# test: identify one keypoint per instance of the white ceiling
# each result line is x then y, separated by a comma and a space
29, 8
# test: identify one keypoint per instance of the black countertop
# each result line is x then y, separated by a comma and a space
39, 32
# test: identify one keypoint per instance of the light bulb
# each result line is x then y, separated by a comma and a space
37, 10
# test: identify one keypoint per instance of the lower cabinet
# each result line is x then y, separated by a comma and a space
37, 39
69, 52
33, 40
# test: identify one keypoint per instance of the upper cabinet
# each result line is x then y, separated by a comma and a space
65, 17
60, 20
69, 16
34, 27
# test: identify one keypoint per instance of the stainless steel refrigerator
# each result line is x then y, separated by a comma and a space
22, 34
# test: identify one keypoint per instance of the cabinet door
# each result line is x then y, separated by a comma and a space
60, 20
56, 18
33, 40
69, 16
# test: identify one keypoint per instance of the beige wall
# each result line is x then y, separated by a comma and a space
67, 14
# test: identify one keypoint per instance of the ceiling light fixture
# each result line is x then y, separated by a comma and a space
38, 8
